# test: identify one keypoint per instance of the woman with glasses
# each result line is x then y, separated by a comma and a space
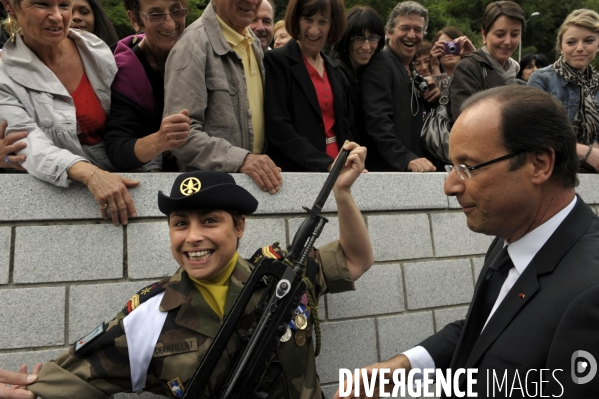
305, 96
364, 36
136, 135
491, 65
55, 86
89, 15
575, 83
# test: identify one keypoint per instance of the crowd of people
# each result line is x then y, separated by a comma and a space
81, 106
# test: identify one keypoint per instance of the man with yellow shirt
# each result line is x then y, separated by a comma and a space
158, 339
216, 70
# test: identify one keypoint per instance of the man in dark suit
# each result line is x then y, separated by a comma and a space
534, 318
393, 110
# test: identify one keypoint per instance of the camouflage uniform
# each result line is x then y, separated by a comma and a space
190, 326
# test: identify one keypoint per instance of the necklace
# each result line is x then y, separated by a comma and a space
154, 58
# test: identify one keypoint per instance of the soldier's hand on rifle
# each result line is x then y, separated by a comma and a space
354, 165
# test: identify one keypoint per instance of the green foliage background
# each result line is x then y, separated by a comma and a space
538, 37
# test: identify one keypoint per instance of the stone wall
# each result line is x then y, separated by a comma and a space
63, 269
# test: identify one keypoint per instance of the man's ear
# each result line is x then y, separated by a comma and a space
543, 163
241, 227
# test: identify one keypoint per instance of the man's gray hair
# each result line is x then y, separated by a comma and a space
406, 8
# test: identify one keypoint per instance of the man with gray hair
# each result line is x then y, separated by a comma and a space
393, 110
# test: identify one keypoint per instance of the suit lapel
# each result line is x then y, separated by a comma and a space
545, 261
300, 73
401, 69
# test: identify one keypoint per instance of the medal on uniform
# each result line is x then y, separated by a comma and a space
176, 387
287, 336
301, 321
300, 338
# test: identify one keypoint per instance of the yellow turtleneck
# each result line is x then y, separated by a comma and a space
215, 291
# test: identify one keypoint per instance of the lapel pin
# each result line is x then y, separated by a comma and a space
521, 296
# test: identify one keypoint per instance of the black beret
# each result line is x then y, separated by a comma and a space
202, 189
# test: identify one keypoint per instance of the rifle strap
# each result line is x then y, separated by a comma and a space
314, 312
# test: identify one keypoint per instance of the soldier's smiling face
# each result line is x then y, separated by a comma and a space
203, 242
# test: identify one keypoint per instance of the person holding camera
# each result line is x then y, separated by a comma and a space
393, 110
491, 65
449, 46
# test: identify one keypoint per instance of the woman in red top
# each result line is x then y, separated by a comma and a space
305, 96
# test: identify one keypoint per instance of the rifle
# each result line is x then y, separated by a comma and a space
276, 307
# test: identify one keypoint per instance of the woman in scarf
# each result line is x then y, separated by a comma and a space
573, 81
491, 65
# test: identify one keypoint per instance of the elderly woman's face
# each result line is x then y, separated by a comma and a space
83, 16
162, 31
579, 46
44, 22
204, 243
314, 31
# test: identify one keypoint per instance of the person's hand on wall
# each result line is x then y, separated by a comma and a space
263, 171
108, 189
421, 165
8, 147
14, 385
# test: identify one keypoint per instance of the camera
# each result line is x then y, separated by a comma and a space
420, 83
452, 48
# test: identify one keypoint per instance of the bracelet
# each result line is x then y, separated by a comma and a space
588, 153
86, 181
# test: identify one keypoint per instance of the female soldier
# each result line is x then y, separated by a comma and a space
155, 343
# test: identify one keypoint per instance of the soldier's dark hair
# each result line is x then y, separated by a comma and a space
533, 121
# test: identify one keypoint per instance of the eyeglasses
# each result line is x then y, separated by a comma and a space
372, 39
464, 170
161, 17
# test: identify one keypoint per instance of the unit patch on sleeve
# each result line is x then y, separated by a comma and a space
90, 337
143, 295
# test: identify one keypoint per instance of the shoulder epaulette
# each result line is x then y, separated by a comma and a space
142, 295
273, 251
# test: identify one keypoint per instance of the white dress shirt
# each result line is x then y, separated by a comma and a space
521, 252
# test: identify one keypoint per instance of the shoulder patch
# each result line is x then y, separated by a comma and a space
90, 337
142, 295
273, 251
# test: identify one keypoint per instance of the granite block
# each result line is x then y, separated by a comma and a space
322, 308
330, 232
4, 254
449, 315
438, 283
588, 189
90, 305
68, 253
477, 266
395, 237
378, 291
399, 333
453, 203
260, 233
452, 237
346, 344
148, 250
13, 360
44, 321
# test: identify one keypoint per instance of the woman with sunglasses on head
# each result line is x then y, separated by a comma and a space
55, 86
136, 134
575, 83
491, 65
89, 15
305, 95
364, 36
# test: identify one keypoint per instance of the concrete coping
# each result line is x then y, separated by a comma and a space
25, 198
